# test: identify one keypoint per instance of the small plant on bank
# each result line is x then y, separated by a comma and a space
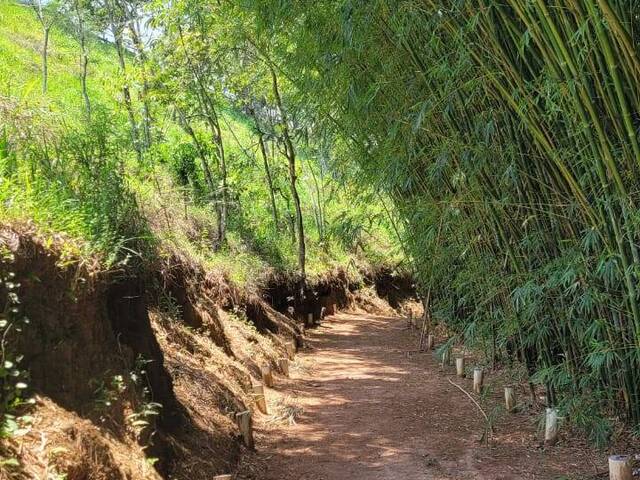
14, 420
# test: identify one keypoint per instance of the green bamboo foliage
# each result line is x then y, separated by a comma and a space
507, 133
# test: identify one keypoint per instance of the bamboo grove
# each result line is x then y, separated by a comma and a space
507, 134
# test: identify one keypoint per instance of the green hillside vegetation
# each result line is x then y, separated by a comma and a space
82, 177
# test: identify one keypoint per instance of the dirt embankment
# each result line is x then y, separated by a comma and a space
139, 376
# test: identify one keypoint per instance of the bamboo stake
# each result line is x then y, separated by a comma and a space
620, 467
260, 398
551, 427
430, 341
267, 375
510, 398
223, 477
246, 428
283, 363
310, 320
478, 378
291, 349
460, 367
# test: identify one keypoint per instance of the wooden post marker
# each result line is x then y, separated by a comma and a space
310, 320
478, 379
259, 398
267, 375
510, 398
620, 467
291, 349
283, 363
430, 341
246, 428
460, 366
551, 427
223, 477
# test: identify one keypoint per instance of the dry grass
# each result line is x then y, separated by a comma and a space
284, 411
366, 300
61, 445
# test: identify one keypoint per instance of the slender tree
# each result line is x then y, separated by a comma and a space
47, 13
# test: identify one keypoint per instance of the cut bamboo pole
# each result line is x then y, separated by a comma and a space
620, 467
310, 320
260, 398
291, 350
430, 341
283, 363
223, 477
267, 375
246, 428
460, 366
551, 426
510, 398
478, 379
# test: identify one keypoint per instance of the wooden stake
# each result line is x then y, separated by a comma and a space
430, 340
260, 399
291, 349
283, 363
267, 375
551, 426
478, 378
310, 320
246, 428
410, 319
223, 477
620, 467
510, 398
460, 366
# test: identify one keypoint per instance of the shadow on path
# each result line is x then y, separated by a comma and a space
373, 408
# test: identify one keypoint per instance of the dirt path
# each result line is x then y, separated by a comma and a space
373, 411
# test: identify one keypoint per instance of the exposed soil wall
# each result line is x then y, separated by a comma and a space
104, 347
321, 296
392, 285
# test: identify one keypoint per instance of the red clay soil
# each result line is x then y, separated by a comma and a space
375, 409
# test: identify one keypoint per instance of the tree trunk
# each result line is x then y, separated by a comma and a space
208, 178
320, 212
147, 120
45, 58
84, 60
126, 93
209, 111
267, 171
216, 133
291, 157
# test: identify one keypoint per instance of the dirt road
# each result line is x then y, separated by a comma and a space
373, 408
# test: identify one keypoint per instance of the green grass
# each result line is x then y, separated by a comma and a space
66, 198
20, 69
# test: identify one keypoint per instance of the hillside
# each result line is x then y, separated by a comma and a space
157, 185
148, 286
